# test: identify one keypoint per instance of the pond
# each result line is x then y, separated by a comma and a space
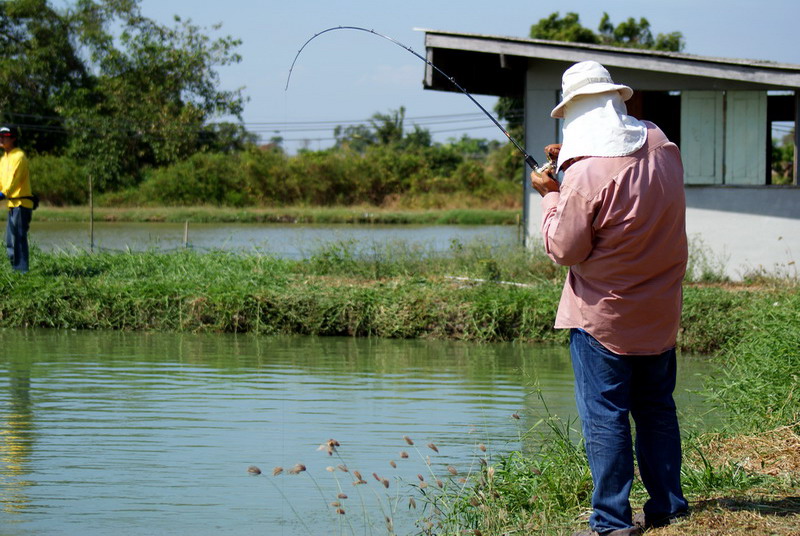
281, 240
154, 433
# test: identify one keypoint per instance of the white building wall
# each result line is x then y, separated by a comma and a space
540, 130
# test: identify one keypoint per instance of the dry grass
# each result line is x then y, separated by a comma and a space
775, 453
777, 516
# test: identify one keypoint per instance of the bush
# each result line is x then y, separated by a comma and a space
59, 180
203, 178
380, 175
267, 177
324, 177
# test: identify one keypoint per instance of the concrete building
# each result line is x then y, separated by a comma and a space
719, 111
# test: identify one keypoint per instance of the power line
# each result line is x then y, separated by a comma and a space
125, 125
445, 131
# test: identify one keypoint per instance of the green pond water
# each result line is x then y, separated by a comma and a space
131, 433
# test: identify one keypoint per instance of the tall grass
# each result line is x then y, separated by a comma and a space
337, 291
473, 291
760, 385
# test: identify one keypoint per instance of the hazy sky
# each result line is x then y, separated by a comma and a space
347, 76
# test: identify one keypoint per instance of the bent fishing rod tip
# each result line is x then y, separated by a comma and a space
528, 158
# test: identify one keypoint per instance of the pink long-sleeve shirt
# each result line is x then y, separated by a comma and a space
619, 224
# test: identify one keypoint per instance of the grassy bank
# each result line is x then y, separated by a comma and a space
744, 479
298, 214
472, 292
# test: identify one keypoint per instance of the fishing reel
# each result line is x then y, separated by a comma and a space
540, 170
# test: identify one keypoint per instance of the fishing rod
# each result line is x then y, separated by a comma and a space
528, 158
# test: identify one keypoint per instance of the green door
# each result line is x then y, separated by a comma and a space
702, 136
746, 137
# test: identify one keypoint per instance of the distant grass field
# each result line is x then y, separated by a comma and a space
365, 214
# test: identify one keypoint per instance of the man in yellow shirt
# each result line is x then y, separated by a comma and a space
15, 188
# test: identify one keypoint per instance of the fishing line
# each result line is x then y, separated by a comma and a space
528, 158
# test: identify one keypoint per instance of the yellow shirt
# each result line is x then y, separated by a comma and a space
15, 179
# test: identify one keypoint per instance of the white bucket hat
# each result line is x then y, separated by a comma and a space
587, 78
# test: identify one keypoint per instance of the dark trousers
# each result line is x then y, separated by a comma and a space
608, 388
17, 225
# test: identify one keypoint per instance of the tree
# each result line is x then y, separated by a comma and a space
417, 138
569, 29
629, 33
39, 66
127, 91
385, 129
388, 128
355, 137
633, 34
471, 147
226, 137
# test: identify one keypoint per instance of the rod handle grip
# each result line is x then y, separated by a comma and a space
532, 163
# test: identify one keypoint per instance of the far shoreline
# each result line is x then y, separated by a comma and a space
294, 214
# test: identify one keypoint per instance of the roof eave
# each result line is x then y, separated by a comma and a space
757, 72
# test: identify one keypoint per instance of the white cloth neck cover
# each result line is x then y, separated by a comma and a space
598, 125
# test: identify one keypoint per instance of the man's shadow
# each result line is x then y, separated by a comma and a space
785, 506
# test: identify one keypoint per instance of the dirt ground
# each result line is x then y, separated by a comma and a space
760, 512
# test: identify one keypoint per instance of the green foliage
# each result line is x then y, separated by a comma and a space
204, 178
405, 293
472, 147
512, 111
335, 177
388, 128
762, 376
266, 176
39, 68
229, 138
703, 266
505, 166
629, 33
533, 492
417, 138
59, 180
703, 477
490, 303
782, 160
472, 176
568, 28
354, 137
712, 316
113, 89
633, 34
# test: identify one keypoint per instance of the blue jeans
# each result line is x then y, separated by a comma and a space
17, 225
608, 388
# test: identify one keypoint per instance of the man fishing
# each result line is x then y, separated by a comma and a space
618, 221
15, 188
